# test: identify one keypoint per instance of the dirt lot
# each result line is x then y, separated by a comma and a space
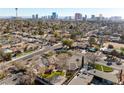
116, 45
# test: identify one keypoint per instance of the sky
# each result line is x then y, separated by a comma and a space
106, 12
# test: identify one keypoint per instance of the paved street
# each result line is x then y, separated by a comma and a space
39, 52
112, 76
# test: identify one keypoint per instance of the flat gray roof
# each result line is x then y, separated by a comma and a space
81, 80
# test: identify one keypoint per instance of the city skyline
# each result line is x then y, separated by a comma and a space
28, 12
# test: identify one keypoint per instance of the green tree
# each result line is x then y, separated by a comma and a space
55, 27
122, 49
73, 35
91, 41
56, 34
1, 52
2, 74
114, 53
40, 32
110, 46
28, 78
7, 56
68, 42
122, 37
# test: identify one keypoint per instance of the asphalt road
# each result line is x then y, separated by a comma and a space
39, 52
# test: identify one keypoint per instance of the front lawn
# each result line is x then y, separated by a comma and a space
104, 68
22, 54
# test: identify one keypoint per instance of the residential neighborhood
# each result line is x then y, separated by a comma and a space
55, 51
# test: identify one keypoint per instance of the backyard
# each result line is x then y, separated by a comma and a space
52, 74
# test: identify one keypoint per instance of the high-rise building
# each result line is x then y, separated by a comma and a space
85, 18
68, 18
33, 16
16, 9
92, 16
44, 17
100, 17
115, 18
49, 16
78, 16
54, 15
36, 16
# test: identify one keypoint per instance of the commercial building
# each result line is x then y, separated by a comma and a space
116, 18
36, 16
33, 16
93, 17
85, 18
54, 15
68, 18
78, 16
100, 17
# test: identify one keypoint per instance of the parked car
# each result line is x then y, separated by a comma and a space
109, 63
